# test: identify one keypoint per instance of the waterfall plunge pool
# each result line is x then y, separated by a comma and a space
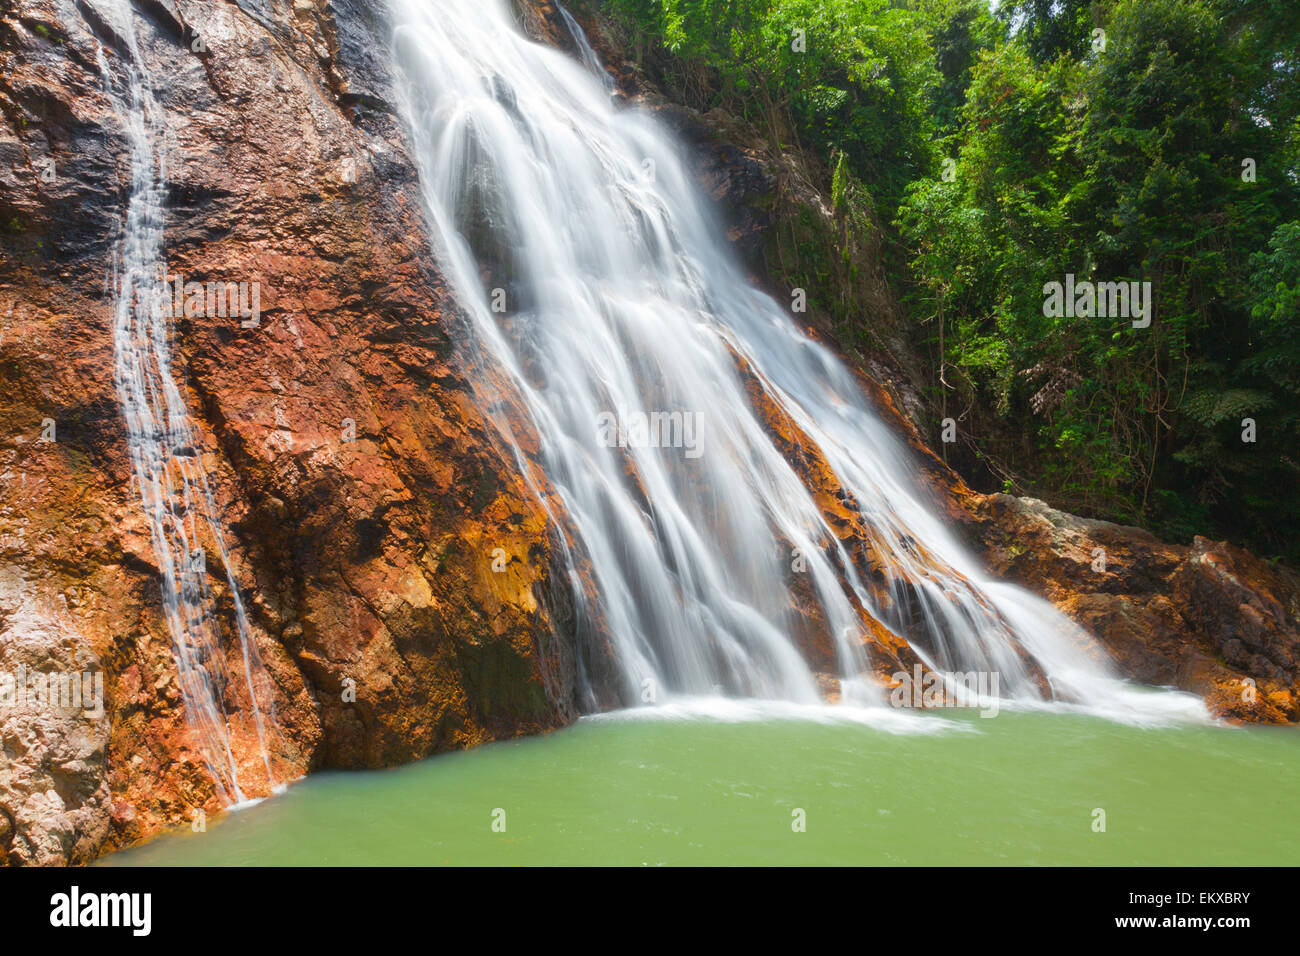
622, 789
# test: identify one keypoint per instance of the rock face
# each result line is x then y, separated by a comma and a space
393, 567
396, 571
1209, 618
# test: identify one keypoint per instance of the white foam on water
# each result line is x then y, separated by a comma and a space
753, 710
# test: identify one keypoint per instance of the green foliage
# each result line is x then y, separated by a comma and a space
1127, 163
1048, 29
854, 76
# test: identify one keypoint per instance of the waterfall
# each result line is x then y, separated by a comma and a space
166, 468
585, 52
594, 280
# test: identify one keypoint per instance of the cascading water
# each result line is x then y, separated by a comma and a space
585, 52
594, 278
167, 471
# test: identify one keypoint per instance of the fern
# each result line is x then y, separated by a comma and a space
1211, 407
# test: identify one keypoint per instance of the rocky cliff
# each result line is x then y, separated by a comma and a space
393, 567
396, 570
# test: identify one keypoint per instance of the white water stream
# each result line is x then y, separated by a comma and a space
597, 284
167, 470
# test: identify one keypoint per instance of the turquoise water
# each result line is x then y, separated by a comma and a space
1018, 789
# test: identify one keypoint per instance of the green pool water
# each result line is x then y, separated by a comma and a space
1018, 789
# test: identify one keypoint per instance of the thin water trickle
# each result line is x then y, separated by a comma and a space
590, 59
596, 282
167, 473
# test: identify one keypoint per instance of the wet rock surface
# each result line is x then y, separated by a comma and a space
1209, 618
361, 494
